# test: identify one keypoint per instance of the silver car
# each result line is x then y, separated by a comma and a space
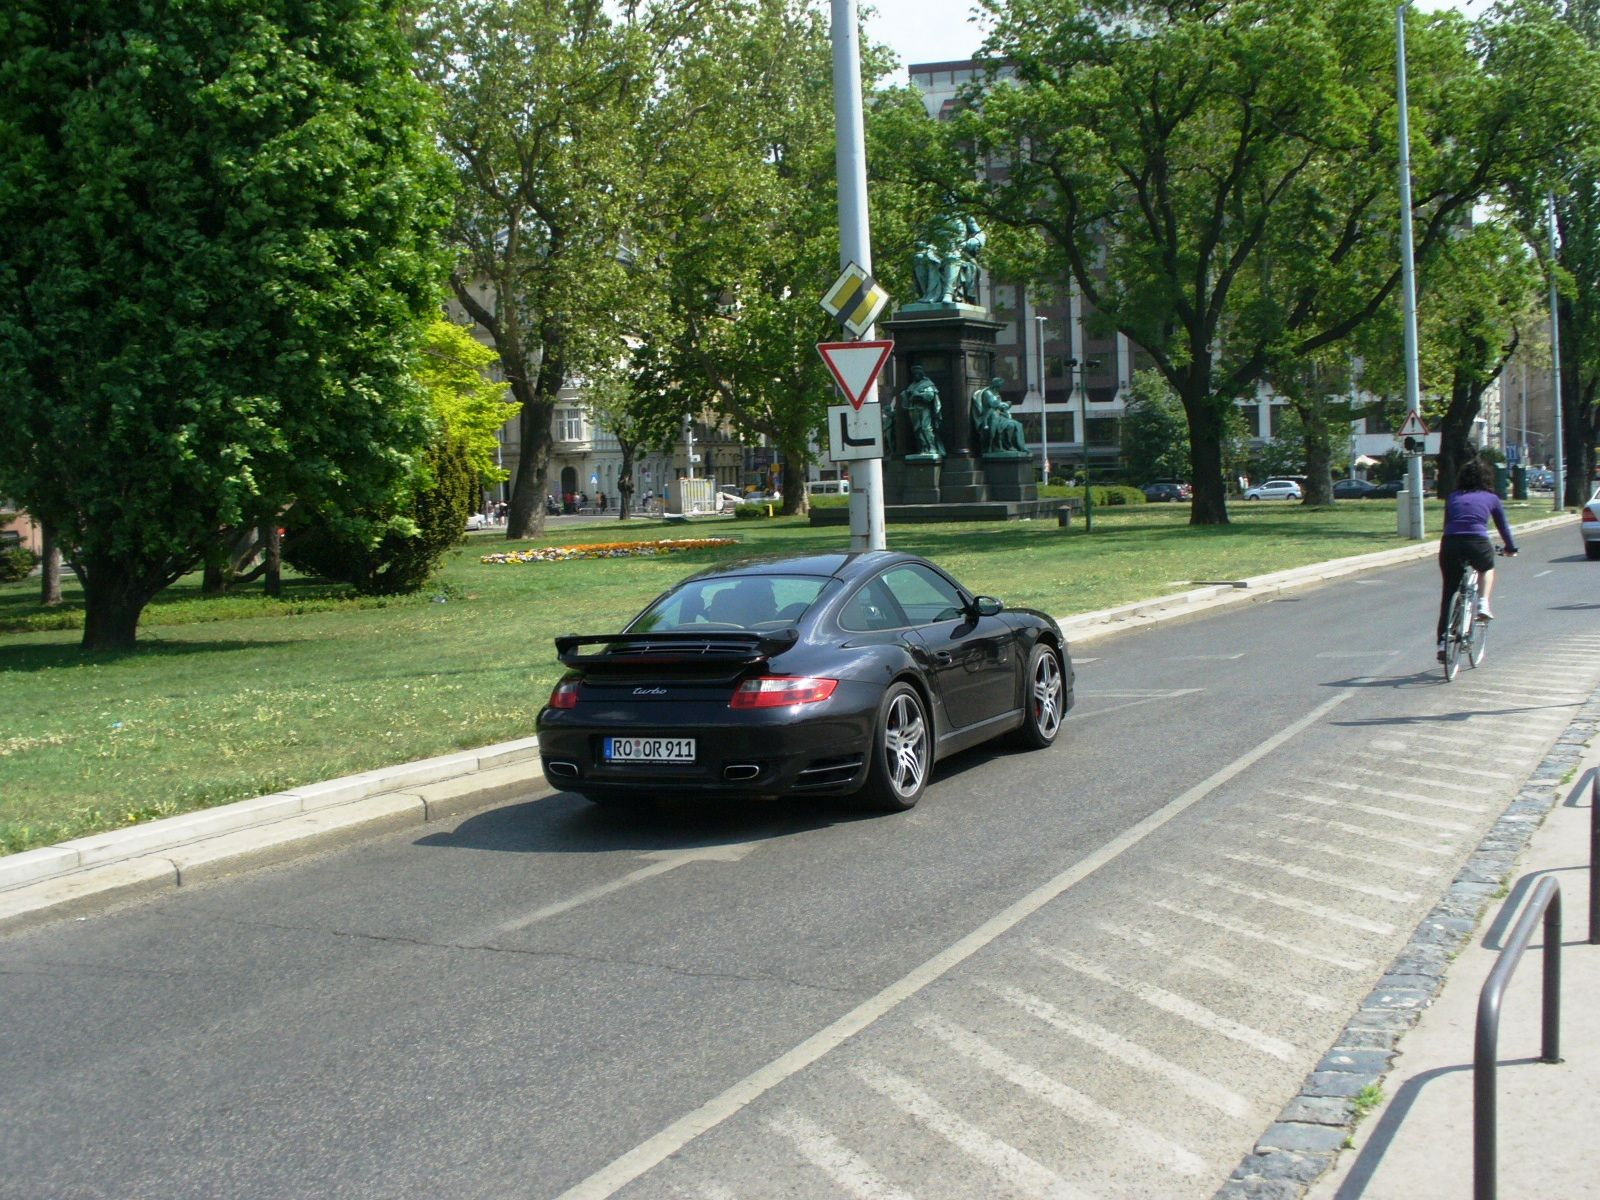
1589, 526
1275, 489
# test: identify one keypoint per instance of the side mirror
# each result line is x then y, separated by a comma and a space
987, 606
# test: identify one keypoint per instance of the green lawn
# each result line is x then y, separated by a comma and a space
239, 696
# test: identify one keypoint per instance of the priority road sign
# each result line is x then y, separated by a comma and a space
855, 300
855, 366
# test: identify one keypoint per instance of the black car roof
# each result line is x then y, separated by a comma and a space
842, 565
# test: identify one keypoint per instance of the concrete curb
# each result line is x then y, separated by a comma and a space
78, 875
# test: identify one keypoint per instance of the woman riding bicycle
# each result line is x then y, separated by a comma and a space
1467, 512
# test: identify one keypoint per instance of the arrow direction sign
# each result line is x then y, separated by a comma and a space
855, 366
855, 300
855, 433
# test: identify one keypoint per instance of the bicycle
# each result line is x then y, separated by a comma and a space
1466, 632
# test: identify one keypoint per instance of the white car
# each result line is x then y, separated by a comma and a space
1275, 489
1589, 526
477, 521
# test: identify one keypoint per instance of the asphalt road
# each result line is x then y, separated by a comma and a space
1099, 970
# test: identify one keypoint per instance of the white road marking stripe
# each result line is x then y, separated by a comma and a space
1366, 889
1321, 911
1542, 574
1409, 797
1061, 1096
1233, 972
1387, 813
1178, 1006
834, 1159
1392, 864
1391, 839
623, 1170
1240, 929
715, 1191
1018, 1170
1358, 654
1205, 657
1477, 772
1116, 1046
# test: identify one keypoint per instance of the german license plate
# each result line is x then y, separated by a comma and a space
649, 749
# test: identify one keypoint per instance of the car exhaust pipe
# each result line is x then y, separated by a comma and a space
558, 766
738, 772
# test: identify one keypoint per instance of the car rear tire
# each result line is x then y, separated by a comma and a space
1592, 549
1044, 699
902, 752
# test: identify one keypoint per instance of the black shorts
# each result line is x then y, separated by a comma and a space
1456, 549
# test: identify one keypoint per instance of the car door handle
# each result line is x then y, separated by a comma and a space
942, 658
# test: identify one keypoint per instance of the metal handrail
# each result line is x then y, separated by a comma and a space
1545, 902
1594, 858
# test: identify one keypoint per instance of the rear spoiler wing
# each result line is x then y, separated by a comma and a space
680, 648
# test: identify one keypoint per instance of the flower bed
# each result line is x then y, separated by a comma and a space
608, 550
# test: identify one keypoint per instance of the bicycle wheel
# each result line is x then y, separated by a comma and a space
1452, 638
1477, 641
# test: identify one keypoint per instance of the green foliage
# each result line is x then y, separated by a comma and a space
752, 512
471, 405
1112, 495
411, 549
1155, 435
16, 562
217, 236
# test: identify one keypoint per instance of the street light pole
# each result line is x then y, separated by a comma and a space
1413, 517
1558, 491
1044, 404
1075, 371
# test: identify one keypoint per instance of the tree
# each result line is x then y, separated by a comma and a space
539, 106
463, 398
639, 402
1154, 436
1163, 154
217, 236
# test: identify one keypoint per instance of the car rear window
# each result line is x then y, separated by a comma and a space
742, 601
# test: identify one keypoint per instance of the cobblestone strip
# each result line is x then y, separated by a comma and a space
1308, 1134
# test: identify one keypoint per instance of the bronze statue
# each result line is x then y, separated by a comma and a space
996, 430
946, 263
923, 410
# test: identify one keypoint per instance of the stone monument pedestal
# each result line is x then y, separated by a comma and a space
1010, 476
919, 480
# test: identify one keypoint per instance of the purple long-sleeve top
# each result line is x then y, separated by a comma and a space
1468, 514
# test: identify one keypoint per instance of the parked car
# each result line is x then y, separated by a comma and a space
1163, 491
827, 674
828, 487
1352, 489
1386, 490
477, 521
1589, 526
1274, 489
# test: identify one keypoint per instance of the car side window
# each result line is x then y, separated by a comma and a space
871, 608
922, 595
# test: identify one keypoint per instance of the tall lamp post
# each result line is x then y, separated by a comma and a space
1413, 513
1044, 405
1075, 372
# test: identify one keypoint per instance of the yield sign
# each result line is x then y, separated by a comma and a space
1413, 426
855, 366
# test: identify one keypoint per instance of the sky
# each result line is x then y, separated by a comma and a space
922, 31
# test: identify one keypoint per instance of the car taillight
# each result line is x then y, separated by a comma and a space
565, 694
771, 691
1588, 514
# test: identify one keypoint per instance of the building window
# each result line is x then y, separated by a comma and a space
569, 425
1252, 419
1102, 431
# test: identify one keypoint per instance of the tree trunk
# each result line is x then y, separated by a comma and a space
49, 566
794, 481
625, 481
1209, 504
271, 540
113, 604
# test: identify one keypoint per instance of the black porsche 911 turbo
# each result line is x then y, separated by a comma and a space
829, 674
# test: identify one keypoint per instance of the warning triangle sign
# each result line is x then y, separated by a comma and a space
1412, 426
855, 366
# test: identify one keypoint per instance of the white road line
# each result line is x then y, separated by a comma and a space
715, 1191
1171, 1002
629, 1166
1408, 797
1114, 1045
1542, 574
1321, 911
1240, 929
1475, 772
1295, 870
1389, 839
1389, 814
1205, 657
1061, 1096
1231, 971
1358, 654
1027, 1175
666, 860
834, 1159
1377, 860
